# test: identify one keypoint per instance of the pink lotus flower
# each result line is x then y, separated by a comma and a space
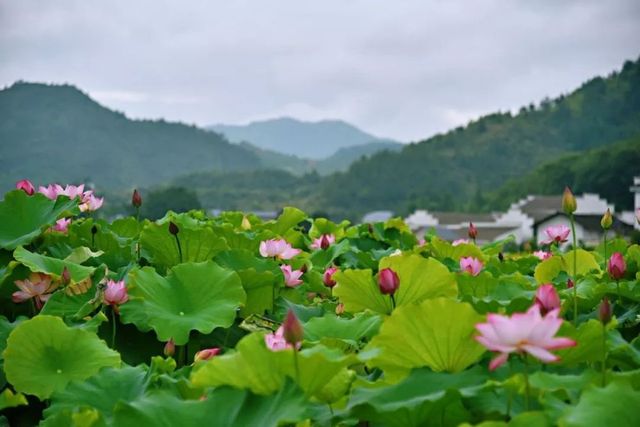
388, 281
276, 341
62, 225
616, 266
115, 293
37, 286
26, 186
327, 277
547, 298
542, 255
556, 234
206, 354
471, 265
323, 242
90, 202
291, 277
277, 248
460, 242
71, 191
50, 191
528, 332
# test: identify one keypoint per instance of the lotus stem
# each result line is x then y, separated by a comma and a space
295, 364
618, 290
604, 354
605, 248
575, 269
393, 302
179, 247
113, 327
527, 390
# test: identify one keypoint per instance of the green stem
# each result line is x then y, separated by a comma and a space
295, 364
575, 269
179, 247
618, 290
113, 327
393, 302
137, 214
605, 248
181, 356
604, 355
527, 390
509, 394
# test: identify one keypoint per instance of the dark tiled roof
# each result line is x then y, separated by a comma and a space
452, 218
491, 233
542, 206
592, 223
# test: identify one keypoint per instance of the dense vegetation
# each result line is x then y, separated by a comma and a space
194, 320
454, 170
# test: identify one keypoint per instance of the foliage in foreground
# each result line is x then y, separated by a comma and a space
181, 321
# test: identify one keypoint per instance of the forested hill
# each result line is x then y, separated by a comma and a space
450, 171
56, 133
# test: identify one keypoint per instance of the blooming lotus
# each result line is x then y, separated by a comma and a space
556, 234
206, 354
460, 242
547, 298
50, 191
277, 248
38, 286
616, 266
471, 265
62, 225
90, 202
291, 277
528, 332
542, 255
71, 191
276, 341
323, 242
327, 277
115, 293
26, 186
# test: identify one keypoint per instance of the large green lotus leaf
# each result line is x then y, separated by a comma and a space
23, 217
412, 401
118, 251
194, 296
321, 259
616, 404
588, 336
197, 243
362, 326
358, 291
102, 391
548, 269
443, 249
420, 278
43, 355
52, 266
289, 218
263, 371
586, 262
9, 399
437, 333
224, 407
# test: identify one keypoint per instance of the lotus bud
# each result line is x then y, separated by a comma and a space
616, 266
26, 186
570, 283
604, 311
206, 354
325, 242
292, 329
388, 281
173, 228
65, 276
340, 309
169, 348
245, 224
304, 268
547, 298
500, 256
607, 220
569, 204
136, 199
94, 229
473, 231
327, 277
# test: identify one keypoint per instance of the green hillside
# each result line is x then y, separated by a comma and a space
608, 171
452, 171
52, 133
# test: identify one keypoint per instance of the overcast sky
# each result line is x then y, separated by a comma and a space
401, 69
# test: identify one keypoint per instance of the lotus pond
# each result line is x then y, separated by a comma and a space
234, 321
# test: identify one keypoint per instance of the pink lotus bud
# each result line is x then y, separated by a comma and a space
115, 293
473, 231
136, 199
292, 329
547, 298
340, 309
65, 276
327, 277
206, 354
569, 204
62, 225
604, 311
388, 281
323, 242
616, 266
471, 265
169, 348
26, 186
570, 283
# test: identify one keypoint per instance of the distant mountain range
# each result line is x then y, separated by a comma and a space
310, 140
